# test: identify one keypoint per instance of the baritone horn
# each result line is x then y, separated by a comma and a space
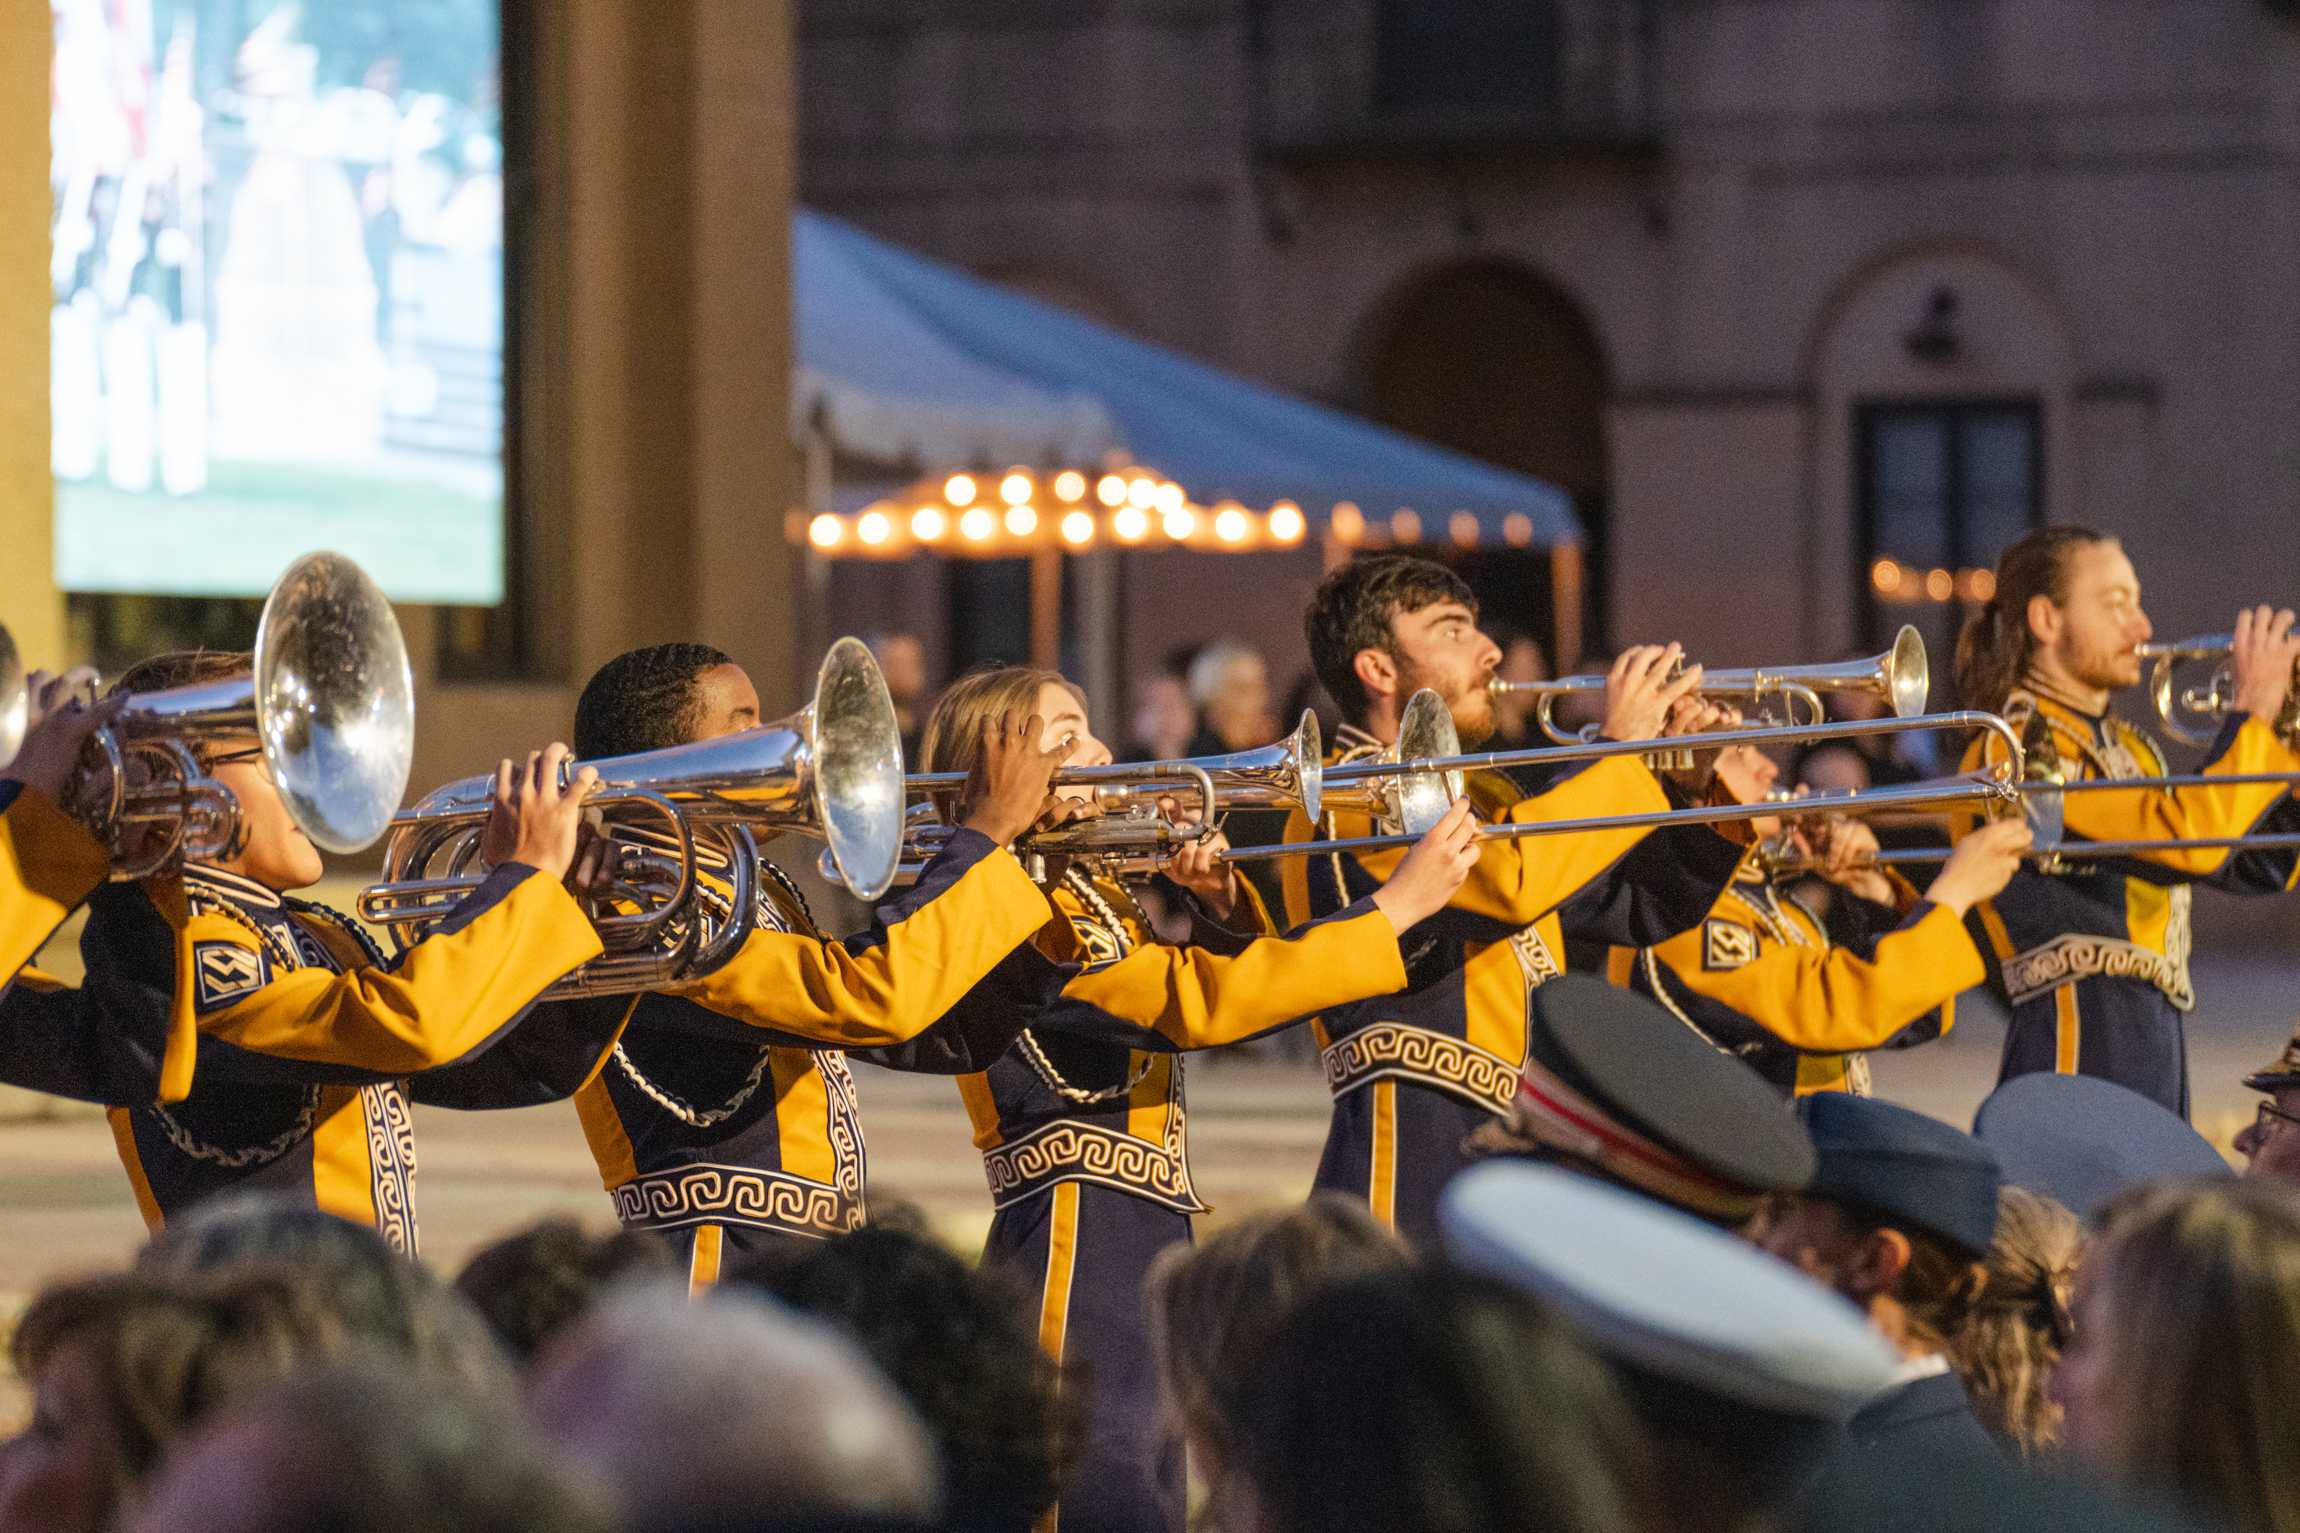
329, 701
1901, 678
832, 770
2193, 714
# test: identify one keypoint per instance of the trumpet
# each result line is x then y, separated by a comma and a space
2193, 714
1135, 834
330, 701
1901, 677
1997, 790
833, 769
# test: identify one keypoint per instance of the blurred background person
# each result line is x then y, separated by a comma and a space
901, 659
1162, 723
2012, 1337
1230, 688
2270, 1144
1522, 660
535, 1284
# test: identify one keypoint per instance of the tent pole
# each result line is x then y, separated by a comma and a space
1565, 606
1046, 608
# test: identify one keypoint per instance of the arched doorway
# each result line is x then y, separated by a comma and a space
1497, 362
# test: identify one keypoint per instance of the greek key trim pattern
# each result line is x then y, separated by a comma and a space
708, 1194
2076, 956
1392, 1050
1068, 1151
391, 1163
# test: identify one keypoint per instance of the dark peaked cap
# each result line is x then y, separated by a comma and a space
2083, 1140
1911, 1171
1615, 1080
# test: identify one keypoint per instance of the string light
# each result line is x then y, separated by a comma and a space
1349, 522
1070, 486
1286, 524
1022, 521
977, 524
928, 524
1231, 524
1142, 493
1180, 524
826, 530
959, 489
874, 528
1462, 528
1132, 524
1406, 525
1517, 530
1077, 528
1015, 488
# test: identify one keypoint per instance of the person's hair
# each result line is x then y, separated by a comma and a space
532, 1285
164, 1352
642, 700
2006, 1348
1213, 1301
1995, 647
183, 668
2189, 1299
1353, 609
962, 716
363, 1447
1213, 662
385, 1301
1940, 1286
955, 1341
1437, 1402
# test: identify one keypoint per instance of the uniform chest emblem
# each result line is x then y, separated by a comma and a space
226, 971
1726, 944
1101, 944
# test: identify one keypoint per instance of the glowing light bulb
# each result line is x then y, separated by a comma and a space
1070, 486
977, 524
1231, 525
959, 489
1022, 521
1077, 528
1179, 524
1940, 585
1406, 525
1132, 524
1517, 530
826, 531
1015, 488
874, 528
1169, 498
928, 524
1349, 521
1885, 575
1142, 493
1462, 528
1286, 524
1110, 490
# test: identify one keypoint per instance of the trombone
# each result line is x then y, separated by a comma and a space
833, 769
329, 699
2193, 714
1901, 677
1134, 833
1996, 789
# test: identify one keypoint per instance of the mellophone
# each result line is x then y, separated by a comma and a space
331, 701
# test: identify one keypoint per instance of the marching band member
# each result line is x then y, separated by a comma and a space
726, 1115
293, 1046
1082, 1123
1796, 991
2094, 961
1413, 1076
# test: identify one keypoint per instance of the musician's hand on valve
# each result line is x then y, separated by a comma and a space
1697, 715
1012, 782
1198, 867
1642, 687
592, 874
1433, 869
58, 722
1982, 864
1845, 850
531, 818
2262, 658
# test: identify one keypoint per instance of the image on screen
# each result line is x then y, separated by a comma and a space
277, 267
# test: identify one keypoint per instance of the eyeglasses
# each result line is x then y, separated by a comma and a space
2264, 1122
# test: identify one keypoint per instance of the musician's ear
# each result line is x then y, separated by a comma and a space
1377, 672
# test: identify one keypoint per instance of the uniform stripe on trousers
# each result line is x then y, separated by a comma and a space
1054, 1296
2066, 1033
703, 1266
1382, 1178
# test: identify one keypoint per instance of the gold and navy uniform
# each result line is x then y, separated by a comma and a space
2094, 960
1414, 1075
293, 1046
1082, 1128
48, 865
1796, 992
727, 1113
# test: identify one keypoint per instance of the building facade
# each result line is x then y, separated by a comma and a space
1811, 304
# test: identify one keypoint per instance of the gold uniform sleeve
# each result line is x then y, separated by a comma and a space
1194, 999
48, 865
856, 995
1832, 1000
449, 994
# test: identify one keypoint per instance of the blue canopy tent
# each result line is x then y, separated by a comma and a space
1033, 430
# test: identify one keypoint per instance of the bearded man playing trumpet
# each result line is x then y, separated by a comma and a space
1797, 986
2094, 959
1413, 1075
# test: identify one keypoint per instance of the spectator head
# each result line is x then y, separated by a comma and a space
1163, 718
533, 1285
664, 695
2011, 1339
2270, 1144
695, 1412
1212, 1303
1381, 628
1457, 1404
953, 1338
1230, 686
386, 1302
1898, 1220
902, 660
2177, 1377
369, 1448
